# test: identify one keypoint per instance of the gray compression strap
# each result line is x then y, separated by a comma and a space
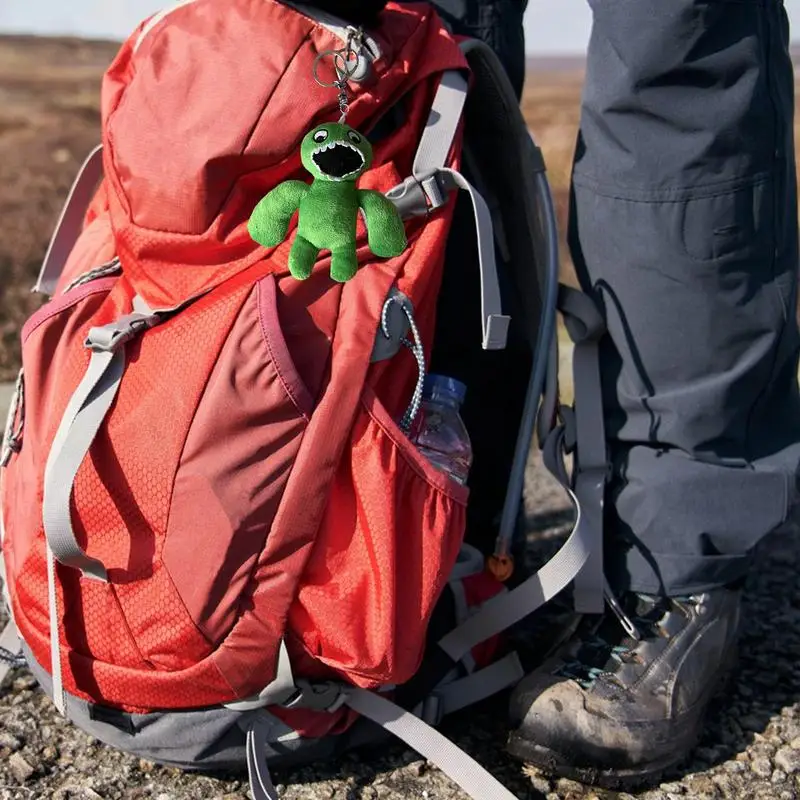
475, 688
494, 322
70, 223
428, 187
440, 131
505, 610
59, 695
261, 785
586, 327
84, 414
82, 419
428, 742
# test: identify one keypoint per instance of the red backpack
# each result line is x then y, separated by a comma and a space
220, 544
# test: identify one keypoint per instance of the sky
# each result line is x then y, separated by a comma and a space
551, 26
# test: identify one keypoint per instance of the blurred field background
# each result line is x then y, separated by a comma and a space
49, 121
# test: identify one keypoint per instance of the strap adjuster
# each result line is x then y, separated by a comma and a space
418, 197
327, 696
109, 338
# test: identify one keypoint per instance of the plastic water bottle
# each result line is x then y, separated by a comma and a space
441, 435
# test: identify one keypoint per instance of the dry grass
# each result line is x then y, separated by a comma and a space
49, 121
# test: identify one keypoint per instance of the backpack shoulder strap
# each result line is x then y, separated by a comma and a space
70, 223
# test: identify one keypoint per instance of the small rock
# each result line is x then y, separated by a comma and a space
24, 682
539, 782
20, 768
761, 767
565, 786
61, 156
779, 776
788, 759
671, 788
10, 741
49, 753
735, 767
724, 783
795, 743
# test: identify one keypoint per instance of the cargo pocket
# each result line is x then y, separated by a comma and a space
257, 404
387, 545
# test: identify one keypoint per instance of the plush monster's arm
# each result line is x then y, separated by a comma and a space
269, 222
386, 233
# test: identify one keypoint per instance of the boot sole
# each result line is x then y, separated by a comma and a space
551, 763
646, 776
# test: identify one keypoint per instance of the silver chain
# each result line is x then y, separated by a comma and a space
345, 65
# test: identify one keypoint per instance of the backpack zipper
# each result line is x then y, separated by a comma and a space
369, 48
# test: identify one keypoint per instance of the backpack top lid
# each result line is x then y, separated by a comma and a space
203, 113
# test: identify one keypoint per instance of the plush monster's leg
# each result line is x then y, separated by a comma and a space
344, 263
302, 258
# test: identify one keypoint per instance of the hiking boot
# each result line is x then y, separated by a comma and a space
609, 710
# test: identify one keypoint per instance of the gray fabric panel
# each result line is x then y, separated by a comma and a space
208, 739
685, 228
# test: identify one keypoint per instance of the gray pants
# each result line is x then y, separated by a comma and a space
684, 227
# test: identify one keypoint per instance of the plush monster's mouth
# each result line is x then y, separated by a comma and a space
338, 160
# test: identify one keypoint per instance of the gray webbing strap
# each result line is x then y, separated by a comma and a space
474, 688
85, 413
70, 224
261, 785
277, 692
440, 131
428, 188
9, 641
505, 610
494, 322
428, 742
59, 695
587, 327
82, 418
462, 615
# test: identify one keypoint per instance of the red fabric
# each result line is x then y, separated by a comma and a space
249, 482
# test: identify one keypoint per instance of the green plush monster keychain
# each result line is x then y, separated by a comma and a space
336, 155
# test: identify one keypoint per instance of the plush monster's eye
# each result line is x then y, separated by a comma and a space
320, 136
354, 137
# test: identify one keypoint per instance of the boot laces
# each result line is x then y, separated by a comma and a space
600, 652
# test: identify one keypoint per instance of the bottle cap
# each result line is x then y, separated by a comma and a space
442, 386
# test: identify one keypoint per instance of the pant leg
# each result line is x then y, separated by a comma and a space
684, 225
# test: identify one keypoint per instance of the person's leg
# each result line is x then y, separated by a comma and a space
684, 227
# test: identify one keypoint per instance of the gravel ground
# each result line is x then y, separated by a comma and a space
750, 749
